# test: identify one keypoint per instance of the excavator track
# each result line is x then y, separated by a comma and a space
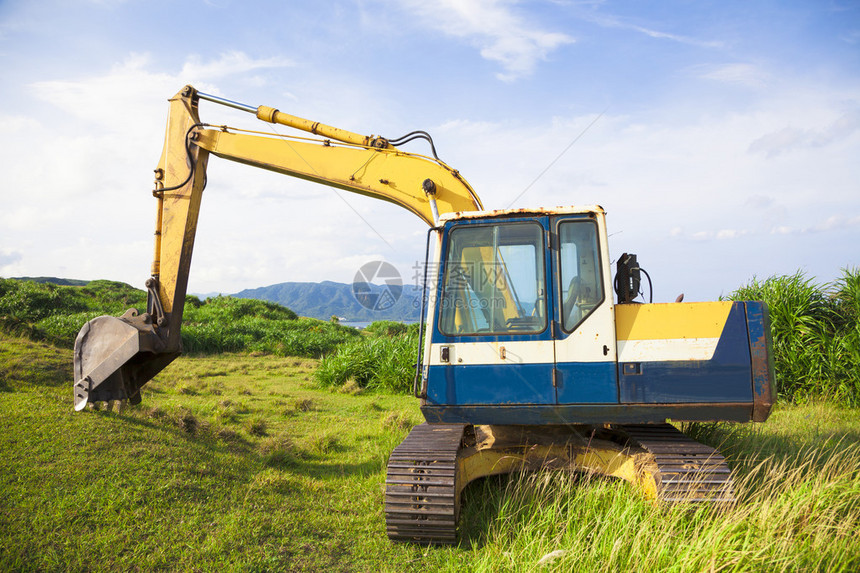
421, 504
688, 471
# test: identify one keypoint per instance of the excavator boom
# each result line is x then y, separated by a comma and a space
115, 357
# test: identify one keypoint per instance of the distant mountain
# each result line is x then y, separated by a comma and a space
205, 295
53, 280
322, 300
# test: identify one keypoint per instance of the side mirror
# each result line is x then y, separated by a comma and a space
627, 278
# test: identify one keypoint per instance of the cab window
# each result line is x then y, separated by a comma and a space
494, 280
581, 289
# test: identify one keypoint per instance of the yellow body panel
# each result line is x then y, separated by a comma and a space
695, 320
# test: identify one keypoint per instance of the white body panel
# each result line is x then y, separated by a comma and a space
491, 353
667, 349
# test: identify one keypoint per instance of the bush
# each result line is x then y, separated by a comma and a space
386, 328
383, 362
55, 314
62, 329
227, 308
300, 337
816, 334
30, 301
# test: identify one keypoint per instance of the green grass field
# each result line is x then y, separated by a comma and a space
243, 463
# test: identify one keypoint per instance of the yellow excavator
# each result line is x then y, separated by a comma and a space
526, 358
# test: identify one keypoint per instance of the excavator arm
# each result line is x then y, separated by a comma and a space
114, 357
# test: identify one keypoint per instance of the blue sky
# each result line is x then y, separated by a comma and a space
724, 137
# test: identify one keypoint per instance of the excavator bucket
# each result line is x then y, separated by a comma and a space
115, 357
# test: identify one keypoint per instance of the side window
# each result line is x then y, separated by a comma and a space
494, 280
581, 289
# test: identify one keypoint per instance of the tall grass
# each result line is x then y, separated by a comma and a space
816, 334
799, 514
299, 337
378, 360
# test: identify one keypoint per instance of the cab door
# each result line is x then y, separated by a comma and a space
584, 319
492, 343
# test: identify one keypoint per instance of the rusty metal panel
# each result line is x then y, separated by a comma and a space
535, 212
761, 355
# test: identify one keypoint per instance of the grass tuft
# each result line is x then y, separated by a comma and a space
322, 442
258, 427
278, 451
350, 387
302, 405
228, 435
398, 421
186, 421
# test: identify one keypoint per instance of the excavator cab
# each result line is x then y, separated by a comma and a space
523, 317
523, 329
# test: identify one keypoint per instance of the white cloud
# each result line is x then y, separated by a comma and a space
12, 125
731, 233
832, 223
8, 258
791, 138
852, 37
495, 28
610, 21
747, 75
676, 37
228, 64
131, 90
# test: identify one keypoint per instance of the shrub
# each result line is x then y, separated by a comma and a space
31, 301
816, 335
386, 328
385, 362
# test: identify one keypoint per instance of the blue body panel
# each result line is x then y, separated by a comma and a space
587, 383
490, 384
727, 377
